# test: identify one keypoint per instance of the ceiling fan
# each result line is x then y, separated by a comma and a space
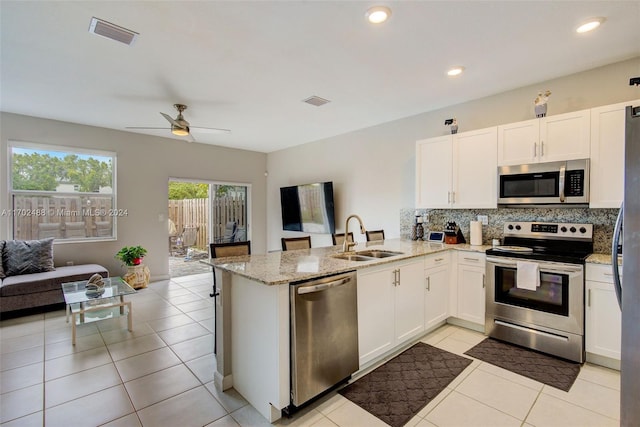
181, 127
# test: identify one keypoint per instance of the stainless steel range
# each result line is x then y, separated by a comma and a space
535, 295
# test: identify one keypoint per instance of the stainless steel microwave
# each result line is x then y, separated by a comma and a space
553, 183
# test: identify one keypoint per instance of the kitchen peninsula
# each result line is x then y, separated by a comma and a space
253, 309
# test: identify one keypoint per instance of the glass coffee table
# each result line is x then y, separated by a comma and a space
87, 307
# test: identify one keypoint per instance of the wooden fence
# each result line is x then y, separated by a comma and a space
37, 217
80, 217
195, 212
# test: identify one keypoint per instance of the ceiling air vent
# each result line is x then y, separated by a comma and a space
112, 31
316, 100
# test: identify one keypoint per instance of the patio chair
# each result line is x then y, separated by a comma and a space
187, 238
49, 229
103, 229
74, 230
230, 230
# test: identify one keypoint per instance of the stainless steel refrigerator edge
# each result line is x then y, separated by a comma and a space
630, 289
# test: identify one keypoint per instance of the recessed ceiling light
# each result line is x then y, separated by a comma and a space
455, 71
378, 14
591, 24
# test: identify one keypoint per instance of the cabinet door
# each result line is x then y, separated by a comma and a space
436, 296
375, 313
471, 293
475, 169
433, 172
518, 142
607, 155
409, 299
602, 320
565, 136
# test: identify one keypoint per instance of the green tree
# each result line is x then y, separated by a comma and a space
35, 172
43, 172
187, 190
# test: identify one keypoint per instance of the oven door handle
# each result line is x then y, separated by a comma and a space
561, 183
542, 266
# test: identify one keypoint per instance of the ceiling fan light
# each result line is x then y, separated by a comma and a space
179, 131
378, 14
590, 25
455, 71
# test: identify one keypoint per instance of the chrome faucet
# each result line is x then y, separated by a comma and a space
347, 245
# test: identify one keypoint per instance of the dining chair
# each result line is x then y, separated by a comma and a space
374, 235
338, 238
221, 250
291, 243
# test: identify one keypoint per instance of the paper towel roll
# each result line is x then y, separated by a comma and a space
475, 228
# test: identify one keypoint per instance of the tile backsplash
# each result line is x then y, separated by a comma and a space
603, 221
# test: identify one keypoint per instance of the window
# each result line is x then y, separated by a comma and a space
62, 192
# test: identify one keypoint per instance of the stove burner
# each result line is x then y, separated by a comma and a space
561, 242
520, 249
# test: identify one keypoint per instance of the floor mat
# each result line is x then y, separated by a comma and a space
396, 391
550, 370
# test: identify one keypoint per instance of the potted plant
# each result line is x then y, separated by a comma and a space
131, 255
138, 274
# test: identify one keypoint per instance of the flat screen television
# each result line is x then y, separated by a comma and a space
308, 208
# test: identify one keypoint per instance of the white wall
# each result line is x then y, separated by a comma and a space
144, 166
373, 169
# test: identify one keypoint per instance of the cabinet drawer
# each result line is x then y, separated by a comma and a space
434, 260
600, 273
471, 258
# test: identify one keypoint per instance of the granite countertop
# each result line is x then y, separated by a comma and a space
291, 266
602, 259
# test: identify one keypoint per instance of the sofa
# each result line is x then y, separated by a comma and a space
28, 279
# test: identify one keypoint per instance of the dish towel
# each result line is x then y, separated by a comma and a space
528, 276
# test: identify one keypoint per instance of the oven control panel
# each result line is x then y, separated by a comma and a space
548, 230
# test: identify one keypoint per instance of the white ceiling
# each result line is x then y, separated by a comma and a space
247, 66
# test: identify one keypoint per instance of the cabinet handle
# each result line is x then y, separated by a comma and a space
398, 270
439, 259
448, 196
453, 196
471, 259
589, 298
483, 285
535, 149
541, 148
429, 284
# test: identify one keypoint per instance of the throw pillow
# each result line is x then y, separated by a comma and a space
27, 256
2, 275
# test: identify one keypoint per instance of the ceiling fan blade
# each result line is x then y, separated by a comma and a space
210, 130
190, 138
171, 120
146, 127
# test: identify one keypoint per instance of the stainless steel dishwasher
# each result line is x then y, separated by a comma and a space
324, 334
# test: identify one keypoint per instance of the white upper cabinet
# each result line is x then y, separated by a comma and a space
457, 171
548, 139
434, 158
607, 155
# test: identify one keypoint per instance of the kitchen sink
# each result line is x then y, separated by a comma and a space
378, 253
368, 255
353, 257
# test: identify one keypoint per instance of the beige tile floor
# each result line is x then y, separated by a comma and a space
161, 374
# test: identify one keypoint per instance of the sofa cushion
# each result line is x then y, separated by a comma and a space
2, 275
27, 256
50, 280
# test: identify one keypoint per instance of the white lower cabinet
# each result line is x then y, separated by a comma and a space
436, 296
390, 306
471, 287
602, 313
